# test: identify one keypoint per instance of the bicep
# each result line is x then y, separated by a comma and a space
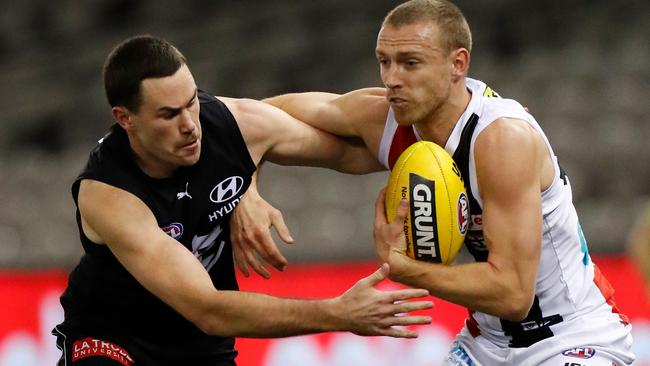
158, 262
508, 172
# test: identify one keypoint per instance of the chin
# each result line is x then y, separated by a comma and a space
190, 160
404, 119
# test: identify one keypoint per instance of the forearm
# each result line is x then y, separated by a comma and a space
317, 109
247, 314
302, 106
477, 286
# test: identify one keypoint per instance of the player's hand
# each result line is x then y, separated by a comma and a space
250, 233
370, 312
390, 241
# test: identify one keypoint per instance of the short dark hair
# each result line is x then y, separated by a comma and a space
133, 60
447, 16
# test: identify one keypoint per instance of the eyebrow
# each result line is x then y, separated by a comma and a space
401, 55
177, 109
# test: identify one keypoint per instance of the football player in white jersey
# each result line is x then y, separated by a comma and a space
534, 295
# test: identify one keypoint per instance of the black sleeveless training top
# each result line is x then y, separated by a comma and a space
193, 206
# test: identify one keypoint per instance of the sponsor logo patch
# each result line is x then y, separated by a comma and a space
205, 249
175, 230
463, 213
424, 224
226, 189
181, 195
581, 352
91, 347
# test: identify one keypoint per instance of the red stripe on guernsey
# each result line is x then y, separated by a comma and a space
607, 291
472, 325
403, 138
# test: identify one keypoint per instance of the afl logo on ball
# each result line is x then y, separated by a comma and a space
226, 189
463, 213
175, 230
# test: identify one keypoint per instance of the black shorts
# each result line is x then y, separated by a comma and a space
97, 347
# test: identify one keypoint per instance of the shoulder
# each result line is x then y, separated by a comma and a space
249, 111
507, 153
500, 117
494, 108
110, 160
504, 133
260, 124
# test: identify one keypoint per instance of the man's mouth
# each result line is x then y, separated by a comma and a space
190, 144
397, 101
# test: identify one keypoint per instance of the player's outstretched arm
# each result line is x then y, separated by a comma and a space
342, 115
272, 134
169, 271
509, 159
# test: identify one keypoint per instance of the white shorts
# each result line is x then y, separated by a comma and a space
586, 356
606, 346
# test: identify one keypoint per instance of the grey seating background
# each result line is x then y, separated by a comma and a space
580, 66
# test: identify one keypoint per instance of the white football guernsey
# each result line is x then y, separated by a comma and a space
573, 305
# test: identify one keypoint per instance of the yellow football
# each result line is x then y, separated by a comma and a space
438, 216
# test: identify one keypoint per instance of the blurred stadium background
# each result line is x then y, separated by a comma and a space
580, 66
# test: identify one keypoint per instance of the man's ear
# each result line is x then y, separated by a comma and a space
122, 116
460, 63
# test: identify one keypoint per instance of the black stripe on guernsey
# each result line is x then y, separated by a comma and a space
535, 327
531, 330
461, 157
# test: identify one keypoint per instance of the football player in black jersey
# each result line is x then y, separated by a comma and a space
156, 284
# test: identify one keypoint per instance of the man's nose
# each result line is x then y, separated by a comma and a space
187, 124
391, 76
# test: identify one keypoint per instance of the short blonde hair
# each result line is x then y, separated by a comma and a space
447, 16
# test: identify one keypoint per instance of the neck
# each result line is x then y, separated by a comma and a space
149, 164
438, 126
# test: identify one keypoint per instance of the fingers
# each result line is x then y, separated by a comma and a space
268, 250
402, 211
408, 320
392, 325
408, 306
405, 294
283, 231
241, 262
380, 208
258, 267
378, 276
398, 333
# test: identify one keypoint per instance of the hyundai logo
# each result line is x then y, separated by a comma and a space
227, 189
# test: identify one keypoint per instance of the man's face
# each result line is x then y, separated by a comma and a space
166, 129
415, 69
